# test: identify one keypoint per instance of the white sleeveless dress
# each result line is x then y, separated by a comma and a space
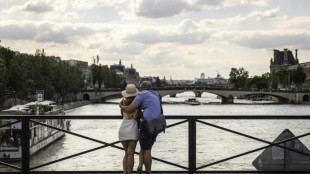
129, 127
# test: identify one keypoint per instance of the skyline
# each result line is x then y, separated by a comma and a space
172, 38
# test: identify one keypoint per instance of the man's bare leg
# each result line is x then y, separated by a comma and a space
147, 159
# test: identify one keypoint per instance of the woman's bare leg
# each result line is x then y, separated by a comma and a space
130, 155
125, 145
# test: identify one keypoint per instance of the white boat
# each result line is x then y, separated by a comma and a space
40, 136
192, 101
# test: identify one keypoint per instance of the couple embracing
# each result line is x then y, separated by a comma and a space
132, 104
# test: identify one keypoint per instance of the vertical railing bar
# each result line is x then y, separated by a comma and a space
192, 145
25, 145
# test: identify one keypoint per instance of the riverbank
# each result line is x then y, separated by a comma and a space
60, 108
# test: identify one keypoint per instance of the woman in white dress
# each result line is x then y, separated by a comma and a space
128, 131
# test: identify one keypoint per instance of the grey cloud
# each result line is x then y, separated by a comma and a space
37, 7
168, 8
18, 32
154, 37
44, 32
273, 41
51, 36
264, 14
188, 25
214, 3
160, 8
126, 49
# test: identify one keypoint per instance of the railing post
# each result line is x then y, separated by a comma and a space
192, 145
25, 145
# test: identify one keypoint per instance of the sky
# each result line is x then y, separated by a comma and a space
175, 39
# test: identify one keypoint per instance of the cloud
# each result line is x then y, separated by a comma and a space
71, 15
155, 37
264, 15
168, 8
18, 32
86, 4
158, 8
187, 26
257, 15
125, 49
269, 39
46, 6
259, 2
35, 6
43, 31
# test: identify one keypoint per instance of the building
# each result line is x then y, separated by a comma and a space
283, 60
218, 80
286, 60
130, 74
180, 82
118, 68
148, 78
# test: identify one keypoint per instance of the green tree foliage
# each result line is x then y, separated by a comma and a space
259, 82
3, 76
298, 76
164, 82
283, 76
68, 80
157, 82
24, 74
102, 73
274, 80
238, 77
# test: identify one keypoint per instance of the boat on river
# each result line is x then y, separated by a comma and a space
192, 101
40, 136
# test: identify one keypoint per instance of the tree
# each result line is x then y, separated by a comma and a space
3, 76
274, 80
164, 82
283, 77
238, 77
259, 82
298, 76
157, 82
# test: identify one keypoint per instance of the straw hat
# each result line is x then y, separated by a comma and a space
130, 91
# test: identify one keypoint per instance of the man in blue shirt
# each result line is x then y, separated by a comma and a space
150, 102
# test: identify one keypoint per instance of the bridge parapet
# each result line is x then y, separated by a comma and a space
227, 95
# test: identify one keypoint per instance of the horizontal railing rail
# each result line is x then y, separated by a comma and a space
192, 142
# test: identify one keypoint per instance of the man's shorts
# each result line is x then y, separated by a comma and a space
146, 141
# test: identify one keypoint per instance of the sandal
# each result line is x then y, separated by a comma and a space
139, 170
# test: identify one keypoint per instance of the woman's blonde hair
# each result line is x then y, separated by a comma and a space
128, 100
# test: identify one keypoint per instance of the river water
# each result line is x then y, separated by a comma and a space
212, 144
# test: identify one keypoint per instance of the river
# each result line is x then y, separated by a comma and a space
212, 144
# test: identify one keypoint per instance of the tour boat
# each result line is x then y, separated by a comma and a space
192, 101
40, 136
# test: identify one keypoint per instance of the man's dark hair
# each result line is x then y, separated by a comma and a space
146, 85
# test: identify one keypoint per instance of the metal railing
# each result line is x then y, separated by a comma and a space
192, 159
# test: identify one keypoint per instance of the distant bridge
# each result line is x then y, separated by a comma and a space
227, 95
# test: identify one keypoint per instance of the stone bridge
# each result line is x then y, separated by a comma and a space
227, 95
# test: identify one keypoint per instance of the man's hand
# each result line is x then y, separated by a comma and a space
129, 108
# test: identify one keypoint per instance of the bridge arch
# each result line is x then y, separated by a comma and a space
305, 98
86, 97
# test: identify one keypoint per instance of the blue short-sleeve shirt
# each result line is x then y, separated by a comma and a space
149, 100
